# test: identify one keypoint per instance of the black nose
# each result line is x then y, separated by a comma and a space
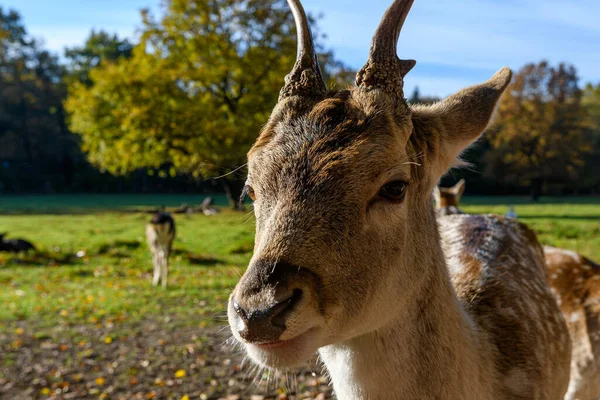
267, 324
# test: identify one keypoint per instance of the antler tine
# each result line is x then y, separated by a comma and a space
384, 70
305, 79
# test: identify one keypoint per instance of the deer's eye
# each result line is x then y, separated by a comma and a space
250, 192
393, 191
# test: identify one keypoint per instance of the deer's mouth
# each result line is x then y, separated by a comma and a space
285, 353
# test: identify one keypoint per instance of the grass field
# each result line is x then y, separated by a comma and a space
79, 319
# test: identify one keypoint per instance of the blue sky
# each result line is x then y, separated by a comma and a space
455, 43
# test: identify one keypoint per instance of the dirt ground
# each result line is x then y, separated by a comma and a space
143, 361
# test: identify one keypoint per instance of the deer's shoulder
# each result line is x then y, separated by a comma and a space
498, 271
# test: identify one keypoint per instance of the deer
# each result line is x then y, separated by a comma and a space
351, 262
575, 283
14, 245
160, 233
447, 199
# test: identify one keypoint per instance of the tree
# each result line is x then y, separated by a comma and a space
195, 92
540, 137
416, 98
591, 103
33, 136
99, 46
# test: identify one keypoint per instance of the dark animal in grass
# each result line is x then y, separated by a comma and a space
160, 233
14, 245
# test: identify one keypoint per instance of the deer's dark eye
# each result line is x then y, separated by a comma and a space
393, 191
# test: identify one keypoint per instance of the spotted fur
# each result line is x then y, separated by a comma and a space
575, 281
575, 284
497, 269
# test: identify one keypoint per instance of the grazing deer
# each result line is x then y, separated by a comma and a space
14, 245
348, 259
160, 233
575, 283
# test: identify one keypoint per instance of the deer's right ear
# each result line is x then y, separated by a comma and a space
450, 126
459, 188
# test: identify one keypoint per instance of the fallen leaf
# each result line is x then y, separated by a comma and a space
180, 373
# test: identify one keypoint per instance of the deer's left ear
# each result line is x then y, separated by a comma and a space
450, 126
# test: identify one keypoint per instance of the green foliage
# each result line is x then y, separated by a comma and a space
591, 102
195, 92
99, 46
34, 141
541, 128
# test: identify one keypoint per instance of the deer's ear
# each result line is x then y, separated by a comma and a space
450, 126
459, 188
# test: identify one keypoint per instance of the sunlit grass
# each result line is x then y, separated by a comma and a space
95, 268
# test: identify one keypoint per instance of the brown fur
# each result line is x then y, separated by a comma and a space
575, 280
575, 283
363, 278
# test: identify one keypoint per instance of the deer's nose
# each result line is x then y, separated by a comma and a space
265, 325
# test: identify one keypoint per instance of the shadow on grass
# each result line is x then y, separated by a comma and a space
196, 259
39, 258
112, 247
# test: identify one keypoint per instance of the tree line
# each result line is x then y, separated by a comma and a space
185, 103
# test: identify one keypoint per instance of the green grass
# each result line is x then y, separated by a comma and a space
110, 279
83, 303
571, 223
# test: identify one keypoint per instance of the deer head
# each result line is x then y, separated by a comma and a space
450, 197
342, 183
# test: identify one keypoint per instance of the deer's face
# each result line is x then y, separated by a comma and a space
342, 195
332, 193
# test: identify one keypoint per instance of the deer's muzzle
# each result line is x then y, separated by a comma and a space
268, 296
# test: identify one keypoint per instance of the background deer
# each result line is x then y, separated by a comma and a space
14, 245
447, 199
160, 233
575, 282
348, 259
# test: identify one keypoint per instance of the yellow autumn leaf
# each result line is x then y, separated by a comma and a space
180, 373
185, 397
99, 381
108, 340
19, 331
45, 391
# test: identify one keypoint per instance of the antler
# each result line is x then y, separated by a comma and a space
384, 70
305, 78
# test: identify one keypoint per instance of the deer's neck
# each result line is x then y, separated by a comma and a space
430, 350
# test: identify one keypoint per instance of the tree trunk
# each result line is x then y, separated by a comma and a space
536, 189
233, 191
